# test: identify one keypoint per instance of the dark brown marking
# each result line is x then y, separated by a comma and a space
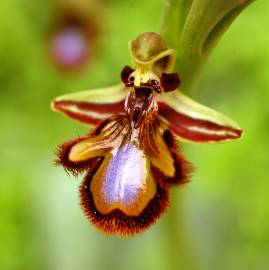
170, 82
125, 73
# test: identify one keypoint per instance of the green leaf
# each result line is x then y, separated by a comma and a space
193, 28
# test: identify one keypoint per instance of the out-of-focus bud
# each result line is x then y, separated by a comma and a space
73, 38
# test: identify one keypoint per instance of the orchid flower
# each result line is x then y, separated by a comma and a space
132, 159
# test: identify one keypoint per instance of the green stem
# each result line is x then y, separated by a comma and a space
180, 254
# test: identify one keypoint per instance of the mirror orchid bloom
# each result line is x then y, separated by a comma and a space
132, 159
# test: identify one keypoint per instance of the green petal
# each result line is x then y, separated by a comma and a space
92, 106
194, 122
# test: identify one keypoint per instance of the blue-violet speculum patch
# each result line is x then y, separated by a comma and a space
131, 159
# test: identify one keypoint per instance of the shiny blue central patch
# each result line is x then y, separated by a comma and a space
125, 176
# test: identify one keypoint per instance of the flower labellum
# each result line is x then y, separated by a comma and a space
131, 159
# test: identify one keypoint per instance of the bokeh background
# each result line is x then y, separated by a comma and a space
220, 220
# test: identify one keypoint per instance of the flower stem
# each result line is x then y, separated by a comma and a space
181, 254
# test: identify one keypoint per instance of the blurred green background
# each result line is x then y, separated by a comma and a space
220, 220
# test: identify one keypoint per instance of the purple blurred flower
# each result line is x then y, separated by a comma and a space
70, 47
